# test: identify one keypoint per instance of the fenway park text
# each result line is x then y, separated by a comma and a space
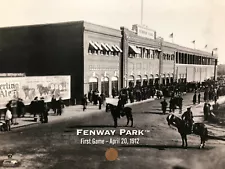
110, 132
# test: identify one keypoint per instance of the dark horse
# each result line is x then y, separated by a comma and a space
184, 130
118, 111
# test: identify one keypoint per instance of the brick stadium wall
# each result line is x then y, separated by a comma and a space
100, 65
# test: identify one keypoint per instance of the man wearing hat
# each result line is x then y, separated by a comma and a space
188, 118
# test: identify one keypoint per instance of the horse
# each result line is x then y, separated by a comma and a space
116, 112
184, 130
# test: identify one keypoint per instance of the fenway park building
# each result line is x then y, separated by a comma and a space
98, 57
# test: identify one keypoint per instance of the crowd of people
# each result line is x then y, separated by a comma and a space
38, 107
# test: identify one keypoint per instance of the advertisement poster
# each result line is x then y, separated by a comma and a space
27, 88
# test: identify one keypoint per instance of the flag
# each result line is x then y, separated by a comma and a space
171, 35
206, 46
193, 41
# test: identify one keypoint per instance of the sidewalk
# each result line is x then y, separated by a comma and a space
68, 113
215, 131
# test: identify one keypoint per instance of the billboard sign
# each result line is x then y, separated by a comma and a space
27, 88
144, 31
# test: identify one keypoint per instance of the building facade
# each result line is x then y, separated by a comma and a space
102, 53
102, 58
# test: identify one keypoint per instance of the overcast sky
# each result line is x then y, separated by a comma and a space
200, 20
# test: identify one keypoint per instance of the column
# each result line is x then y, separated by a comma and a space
99, 84
110, 87
135, 81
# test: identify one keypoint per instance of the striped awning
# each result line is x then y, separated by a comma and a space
105, 47
114, 48
135, 50
99, 46
93, 45
120, 50
110, 48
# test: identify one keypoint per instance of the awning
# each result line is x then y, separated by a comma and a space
109, 47
114, 48
93, 45
135, 49
105, 47
99, 46
120, 50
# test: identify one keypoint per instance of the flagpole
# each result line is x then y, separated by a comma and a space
141, 12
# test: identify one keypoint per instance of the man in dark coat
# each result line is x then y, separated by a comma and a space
34, 107
194, 98
206, 110
42, 109
84, 102
60, 106
199, 98
188, 118
53, 104
20, 108
164, 106
99, 102
113, 92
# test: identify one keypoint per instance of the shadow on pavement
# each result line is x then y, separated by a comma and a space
179, 167
163, 147
31, 120
217, 138
159, 113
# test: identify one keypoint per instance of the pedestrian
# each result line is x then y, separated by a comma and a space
60, 106
113, 92
53, 104
45, 114
206, 111
199, 98
90, 96
164, 106
99, 102
20, 108
171, 104
194, 98
41, 109
102, 95
8, 117
34, 108
84, 102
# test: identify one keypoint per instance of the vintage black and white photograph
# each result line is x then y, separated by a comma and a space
105, 84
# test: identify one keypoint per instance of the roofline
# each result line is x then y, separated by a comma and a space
42, 24
188, 48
